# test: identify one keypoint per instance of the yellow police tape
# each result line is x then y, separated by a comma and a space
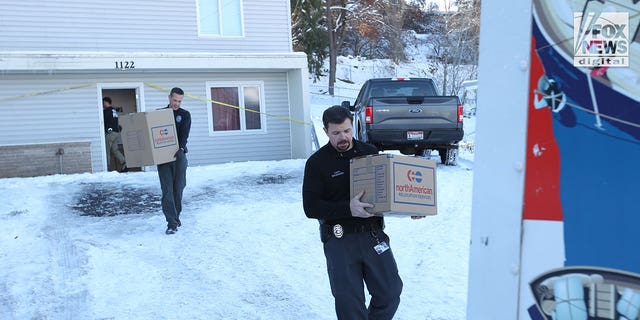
47, 92
228, 105
157, 88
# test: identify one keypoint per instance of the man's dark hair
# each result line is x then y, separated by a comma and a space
107, 99
177, 90
336, 115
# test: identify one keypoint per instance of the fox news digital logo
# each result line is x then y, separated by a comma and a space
601, 40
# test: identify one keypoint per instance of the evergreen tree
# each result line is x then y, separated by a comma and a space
309, 32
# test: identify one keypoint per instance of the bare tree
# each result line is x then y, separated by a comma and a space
375, 28
458, 42
393, 13
364, 25
467, 23
336, 19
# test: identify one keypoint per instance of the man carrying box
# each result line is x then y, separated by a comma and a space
173, 175
112, 133
355, 245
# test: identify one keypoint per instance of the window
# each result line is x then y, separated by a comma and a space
220, 18
236, 107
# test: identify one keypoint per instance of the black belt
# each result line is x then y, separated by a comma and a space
368, 226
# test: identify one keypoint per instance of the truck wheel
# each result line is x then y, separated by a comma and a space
448, 157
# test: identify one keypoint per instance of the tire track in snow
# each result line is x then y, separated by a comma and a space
67, 262
7, 303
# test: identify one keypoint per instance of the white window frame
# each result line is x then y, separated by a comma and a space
240, 85
139, 86
221, 34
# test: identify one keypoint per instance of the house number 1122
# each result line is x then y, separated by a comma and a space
125, 65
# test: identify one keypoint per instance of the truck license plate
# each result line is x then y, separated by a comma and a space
415, 135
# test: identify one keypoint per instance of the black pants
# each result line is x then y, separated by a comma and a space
352, 259
173, 179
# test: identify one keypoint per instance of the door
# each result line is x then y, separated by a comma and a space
126, 98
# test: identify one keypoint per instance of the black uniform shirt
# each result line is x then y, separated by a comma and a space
110, 119
325, 189
182, 118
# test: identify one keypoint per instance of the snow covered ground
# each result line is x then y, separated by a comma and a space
245, 250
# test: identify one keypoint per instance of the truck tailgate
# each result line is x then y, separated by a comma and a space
440, 112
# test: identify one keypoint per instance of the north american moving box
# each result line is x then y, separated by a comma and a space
395, 185
149, 138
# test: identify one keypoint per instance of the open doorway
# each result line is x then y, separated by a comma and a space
123, 101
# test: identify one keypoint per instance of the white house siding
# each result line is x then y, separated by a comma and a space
74, 115
64, 117
136, 26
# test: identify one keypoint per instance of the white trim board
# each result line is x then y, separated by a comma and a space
28, 61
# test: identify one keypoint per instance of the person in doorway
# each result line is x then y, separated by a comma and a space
355, 246
173, 174
112, 133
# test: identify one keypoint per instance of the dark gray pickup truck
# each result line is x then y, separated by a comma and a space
408, 115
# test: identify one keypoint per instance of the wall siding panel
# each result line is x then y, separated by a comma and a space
136, 26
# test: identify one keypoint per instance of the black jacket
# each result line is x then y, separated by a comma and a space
110, 119
325, 189
182, 118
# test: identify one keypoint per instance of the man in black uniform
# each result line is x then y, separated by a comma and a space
355, 245
173, 175
112, 133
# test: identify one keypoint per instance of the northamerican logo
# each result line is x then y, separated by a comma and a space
414, 176
410, 188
